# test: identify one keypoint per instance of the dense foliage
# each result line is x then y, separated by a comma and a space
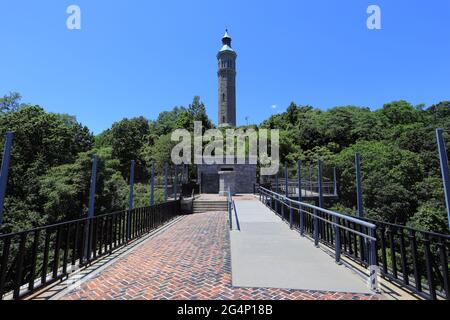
51, 160
400, 165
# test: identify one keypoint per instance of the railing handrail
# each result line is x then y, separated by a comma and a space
307, 182
400, 226
59, 224
333, 213
31, 260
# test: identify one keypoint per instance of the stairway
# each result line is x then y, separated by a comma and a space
201, 206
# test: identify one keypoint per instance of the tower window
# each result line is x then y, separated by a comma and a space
223, 97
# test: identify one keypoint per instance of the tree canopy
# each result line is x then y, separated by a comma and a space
52, 157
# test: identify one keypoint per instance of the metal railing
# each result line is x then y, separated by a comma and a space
230, 208
33, 259
325, 226
309, 188
415, 259
238, 225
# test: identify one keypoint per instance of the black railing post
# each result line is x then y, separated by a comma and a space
4, 171
291, 218
299, 180
337, 239
276, 191
359, 203
301, 224
175, 182
130, 200
165, 182
91, 208
93, 187
373, 268
320, 186
152, 185
444, 169
335, 193
286, 179
319, 181
230, 216
316, 229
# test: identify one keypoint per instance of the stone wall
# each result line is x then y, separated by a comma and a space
244, 177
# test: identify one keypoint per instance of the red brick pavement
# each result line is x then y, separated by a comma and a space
190, 260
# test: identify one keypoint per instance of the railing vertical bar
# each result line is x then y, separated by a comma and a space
66, 249
4, 265
302, 226
344, 235
94, 224
432, 289
316, 229
56, 253
33, 260
416, 266
111, 233
392, 232
355, 241
19, 266
75, 243
337, 241
84, 249
383, 249
100, 221
444, 266
45, 260
403, 257
115, 230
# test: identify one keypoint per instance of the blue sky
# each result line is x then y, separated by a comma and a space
141, 57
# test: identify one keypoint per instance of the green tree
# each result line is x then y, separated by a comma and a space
127, 138
10, 102
65, 189
389, 175
41, 141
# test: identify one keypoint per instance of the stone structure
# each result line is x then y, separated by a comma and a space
227, 83
217, 178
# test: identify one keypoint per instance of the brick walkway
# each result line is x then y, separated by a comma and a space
190, 260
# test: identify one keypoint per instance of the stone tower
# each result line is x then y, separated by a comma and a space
227, 83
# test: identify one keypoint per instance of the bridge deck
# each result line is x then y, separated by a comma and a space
191, 259
267, 253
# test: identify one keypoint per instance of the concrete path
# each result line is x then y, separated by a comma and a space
267, 253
